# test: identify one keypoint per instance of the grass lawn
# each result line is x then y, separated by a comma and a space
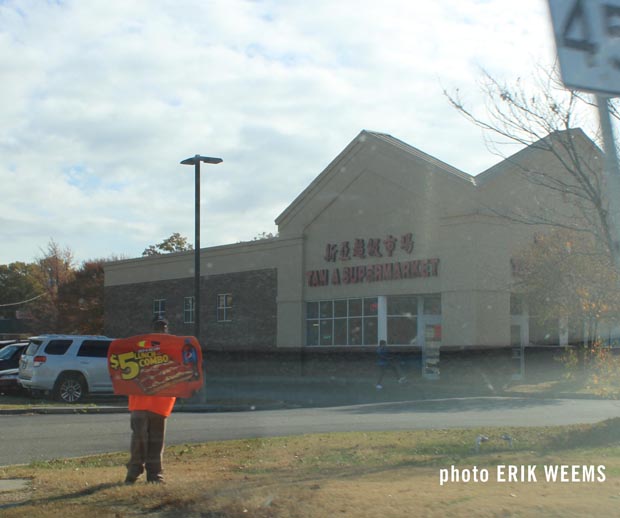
386, 474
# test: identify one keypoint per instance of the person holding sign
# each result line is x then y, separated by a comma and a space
148, 429
153, 370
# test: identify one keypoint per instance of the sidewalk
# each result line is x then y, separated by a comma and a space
268, 392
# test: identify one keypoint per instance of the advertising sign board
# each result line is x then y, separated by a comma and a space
156, 365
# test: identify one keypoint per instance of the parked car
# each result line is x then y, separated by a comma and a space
68, 367
10, 354
9, 382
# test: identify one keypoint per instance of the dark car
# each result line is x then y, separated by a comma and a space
10, 355
9, 366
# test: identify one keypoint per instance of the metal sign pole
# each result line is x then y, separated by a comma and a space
612, 175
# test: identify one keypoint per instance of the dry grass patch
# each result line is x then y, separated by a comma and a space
353, 474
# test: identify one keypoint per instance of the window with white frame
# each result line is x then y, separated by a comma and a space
357, 321
188, 310
159, 308
224, 307
342, 322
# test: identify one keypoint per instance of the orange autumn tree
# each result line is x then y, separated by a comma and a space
567, 275
564, 275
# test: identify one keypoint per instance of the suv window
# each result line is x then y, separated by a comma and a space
95, 348
8, 351
58, 347
33, 347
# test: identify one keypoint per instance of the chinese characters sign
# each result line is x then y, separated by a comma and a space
361, 248
371, 248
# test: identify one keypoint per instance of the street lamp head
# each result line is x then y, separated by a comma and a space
198, 158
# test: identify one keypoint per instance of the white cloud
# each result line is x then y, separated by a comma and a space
101, 100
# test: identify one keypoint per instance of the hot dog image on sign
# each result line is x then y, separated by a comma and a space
156, 365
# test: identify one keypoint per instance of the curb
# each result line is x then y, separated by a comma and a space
201, 408
273, 405
63, 410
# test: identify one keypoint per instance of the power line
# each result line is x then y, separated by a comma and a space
22, 302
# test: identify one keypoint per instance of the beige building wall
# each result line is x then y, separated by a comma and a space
379, 187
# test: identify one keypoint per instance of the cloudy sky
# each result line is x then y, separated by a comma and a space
101, 99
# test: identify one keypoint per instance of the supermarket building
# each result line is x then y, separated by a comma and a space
387, 242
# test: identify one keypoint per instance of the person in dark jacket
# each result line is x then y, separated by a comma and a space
385, 361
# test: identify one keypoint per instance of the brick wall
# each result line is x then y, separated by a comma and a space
129, 309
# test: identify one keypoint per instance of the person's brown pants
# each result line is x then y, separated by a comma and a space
148, 431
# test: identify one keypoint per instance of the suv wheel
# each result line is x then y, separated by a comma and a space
70, 388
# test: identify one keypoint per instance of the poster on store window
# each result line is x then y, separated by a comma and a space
156, 365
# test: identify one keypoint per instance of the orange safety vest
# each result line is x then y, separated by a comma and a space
157, 404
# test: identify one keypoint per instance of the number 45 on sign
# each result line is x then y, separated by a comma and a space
587, 37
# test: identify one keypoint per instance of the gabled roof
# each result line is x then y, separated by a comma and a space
542, 144
421, 154
362, 140
357, 144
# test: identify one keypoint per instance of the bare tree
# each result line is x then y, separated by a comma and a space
548, 120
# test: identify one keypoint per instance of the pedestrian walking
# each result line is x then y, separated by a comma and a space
385, 361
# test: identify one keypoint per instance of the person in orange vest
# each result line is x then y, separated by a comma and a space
148, 430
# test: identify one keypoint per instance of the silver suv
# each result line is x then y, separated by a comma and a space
67, 366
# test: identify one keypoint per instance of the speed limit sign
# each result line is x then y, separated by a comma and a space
587, 37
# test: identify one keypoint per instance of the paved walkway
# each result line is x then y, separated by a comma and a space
228, 393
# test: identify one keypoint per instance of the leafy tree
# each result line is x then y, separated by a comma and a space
265, 236
58, 296
80, 301
175, 243
55, 268
20, 286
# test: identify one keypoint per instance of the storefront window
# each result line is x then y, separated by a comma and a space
327, 309
327, 330
342, 322
355, 331
340, 331
402, 330
402, 324
312, 332
432, 305
370, 306
402, 305
340, 309
544, 332
516, 304
370, 331
312, 310
355, 307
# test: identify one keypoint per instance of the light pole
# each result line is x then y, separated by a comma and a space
195, 160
